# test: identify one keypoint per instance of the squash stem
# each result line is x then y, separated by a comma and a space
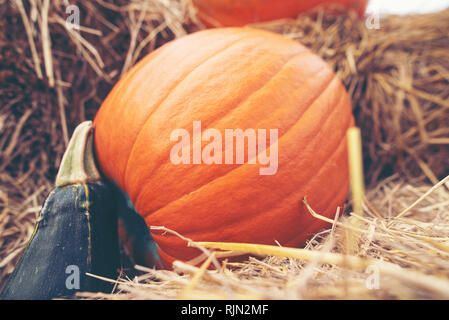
78, 162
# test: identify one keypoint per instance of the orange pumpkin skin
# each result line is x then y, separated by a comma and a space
228, 78
228, 13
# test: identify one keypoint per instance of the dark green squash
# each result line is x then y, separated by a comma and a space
76, 232
135, 237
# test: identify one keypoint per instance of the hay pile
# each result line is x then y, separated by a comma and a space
417, 244
53, 77
398, 78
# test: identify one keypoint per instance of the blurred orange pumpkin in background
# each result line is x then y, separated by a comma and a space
227, 13
228, 78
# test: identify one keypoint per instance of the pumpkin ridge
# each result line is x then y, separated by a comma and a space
219, 52
244, 99
225, 13
286, 196
262, 81
263, 85
204, 236
305, 109
140, 67
334, 78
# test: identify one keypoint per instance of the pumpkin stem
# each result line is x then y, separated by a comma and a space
78, 163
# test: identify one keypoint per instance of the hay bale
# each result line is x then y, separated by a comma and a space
398, 78
44, 95
54, 77
407, 259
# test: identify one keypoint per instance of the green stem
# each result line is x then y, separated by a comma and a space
78, 163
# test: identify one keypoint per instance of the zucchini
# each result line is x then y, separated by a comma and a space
76, 232
135, 237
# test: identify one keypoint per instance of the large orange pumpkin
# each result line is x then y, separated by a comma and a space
228, 78
227, 13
